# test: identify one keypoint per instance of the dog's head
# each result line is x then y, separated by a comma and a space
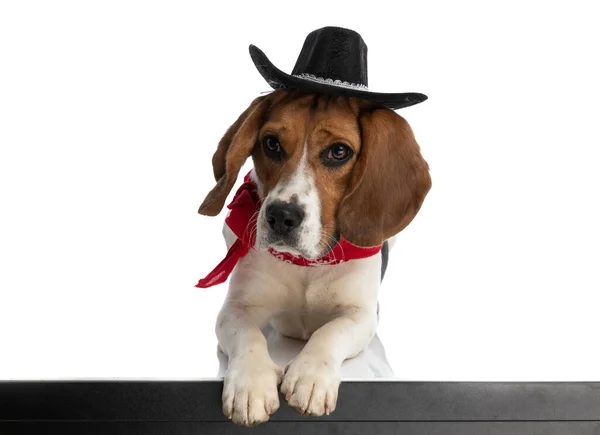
325, 167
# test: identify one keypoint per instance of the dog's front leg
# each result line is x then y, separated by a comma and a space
312, 379
250, 389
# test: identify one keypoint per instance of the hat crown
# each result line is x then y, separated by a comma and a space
334, 53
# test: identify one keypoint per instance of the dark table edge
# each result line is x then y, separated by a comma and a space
359, 401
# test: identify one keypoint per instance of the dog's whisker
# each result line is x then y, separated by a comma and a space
327, 237
251, 227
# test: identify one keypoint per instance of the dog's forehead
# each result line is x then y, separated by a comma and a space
336, 124
291, 109
315, 114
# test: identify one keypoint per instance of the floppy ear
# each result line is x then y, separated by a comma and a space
233, 150
389, 181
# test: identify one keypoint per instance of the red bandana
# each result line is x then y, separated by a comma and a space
242, 220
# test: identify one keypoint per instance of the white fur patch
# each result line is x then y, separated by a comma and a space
258, 183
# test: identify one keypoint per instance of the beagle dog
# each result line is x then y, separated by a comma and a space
327, 170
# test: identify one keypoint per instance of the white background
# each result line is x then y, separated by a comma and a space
109, 115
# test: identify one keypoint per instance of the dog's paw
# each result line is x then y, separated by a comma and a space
310, 385
250, 390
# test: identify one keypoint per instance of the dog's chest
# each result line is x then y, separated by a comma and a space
302, 299
308, 308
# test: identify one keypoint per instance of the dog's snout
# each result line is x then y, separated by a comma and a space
283, 217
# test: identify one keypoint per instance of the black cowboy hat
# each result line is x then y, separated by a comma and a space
333, 61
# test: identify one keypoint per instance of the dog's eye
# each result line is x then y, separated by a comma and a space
336, 154
272, 147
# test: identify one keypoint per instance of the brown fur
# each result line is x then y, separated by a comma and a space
368, 199
389, 182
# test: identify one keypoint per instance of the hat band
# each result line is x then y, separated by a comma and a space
331, 82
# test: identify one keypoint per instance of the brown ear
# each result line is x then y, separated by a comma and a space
233, 150
389, 181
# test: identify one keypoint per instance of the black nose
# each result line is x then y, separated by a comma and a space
283, 217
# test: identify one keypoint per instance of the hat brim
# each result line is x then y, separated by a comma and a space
277, 79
